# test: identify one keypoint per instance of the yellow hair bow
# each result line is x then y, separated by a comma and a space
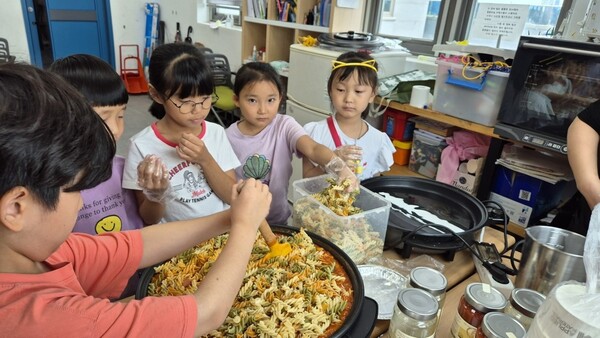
368, 64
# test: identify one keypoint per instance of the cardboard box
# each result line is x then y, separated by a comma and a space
526, 199
436, 127
361, 236
468, 175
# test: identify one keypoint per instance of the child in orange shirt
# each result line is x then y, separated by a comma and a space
57, 283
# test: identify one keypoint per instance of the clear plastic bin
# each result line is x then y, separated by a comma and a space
473, 100
361, 236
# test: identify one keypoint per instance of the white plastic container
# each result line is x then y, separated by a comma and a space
361, 236
567, 312
473, 100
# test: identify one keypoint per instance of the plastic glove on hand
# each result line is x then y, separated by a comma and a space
352, 155
338, 168
153, 178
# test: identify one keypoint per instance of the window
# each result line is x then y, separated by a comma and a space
225, 10
422, 23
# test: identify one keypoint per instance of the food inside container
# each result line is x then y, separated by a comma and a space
361, 235
314, 290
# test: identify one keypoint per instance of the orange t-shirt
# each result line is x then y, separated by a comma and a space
72, 300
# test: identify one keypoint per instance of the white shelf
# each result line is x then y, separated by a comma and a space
290, 25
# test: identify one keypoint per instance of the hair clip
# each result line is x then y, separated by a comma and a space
368, 64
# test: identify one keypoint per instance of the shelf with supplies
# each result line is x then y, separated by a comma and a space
274, 33
437, 116
488, 171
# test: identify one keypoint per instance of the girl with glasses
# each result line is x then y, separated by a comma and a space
190, 159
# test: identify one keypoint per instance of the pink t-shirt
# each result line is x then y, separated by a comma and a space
71, 300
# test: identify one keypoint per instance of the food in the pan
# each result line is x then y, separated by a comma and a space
306, 293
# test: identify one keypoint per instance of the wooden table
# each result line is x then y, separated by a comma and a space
459, 273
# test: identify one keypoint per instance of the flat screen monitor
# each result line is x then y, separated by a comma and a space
551, 81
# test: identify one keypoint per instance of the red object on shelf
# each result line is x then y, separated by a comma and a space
396, 124
132, 71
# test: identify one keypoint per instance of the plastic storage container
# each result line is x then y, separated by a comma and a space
473, 100
396, 124
402, 153
361, 235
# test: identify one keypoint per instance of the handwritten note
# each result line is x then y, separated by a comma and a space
493, 20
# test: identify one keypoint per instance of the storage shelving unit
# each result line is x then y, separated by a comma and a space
495, 148
275, 36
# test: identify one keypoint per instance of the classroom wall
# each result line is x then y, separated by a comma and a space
128, 23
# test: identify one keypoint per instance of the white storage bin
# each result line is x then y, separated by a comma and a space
473, 100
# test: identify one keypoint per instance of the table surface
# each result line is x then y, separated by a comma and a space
459, 273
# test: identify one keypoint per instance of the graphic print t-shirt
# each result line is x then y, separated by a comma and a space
193, 196
108, 207
267, 156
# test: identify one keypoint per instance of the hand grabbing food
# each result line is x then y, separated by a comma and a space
153, 178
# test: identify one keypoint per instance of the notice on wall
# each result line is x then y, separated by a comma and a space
493, 20
348, 3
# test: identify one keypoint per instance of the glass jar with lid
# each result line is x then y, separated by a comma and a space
523, 305
414, 314
500, 325
432, 281
478, 299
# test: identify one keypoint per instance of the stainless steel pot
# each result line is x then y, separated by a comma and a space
550, 255
361, 318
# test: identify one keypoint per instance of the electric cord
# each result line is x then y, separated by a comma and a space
497, 269
505, 223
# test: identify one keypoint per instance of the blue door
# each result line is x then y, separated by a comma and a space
76, 26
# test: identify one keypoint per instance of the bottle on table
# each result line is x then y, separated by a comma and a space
432, 281
478, 299
500, 325
523, 305
415, 314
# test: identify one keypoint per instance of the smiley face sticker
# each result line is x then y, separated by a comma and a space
110, 223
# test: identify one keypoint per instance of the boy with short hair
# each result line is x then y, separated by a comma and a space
54, 282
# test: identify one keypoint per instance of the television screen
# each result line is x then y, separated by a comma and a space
550, 82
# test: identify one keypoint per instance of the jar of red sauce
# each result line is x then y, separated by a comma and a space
478, 299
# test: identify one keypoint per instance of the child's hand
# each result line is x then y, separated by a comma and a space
153, 178
250, 202
351, 155
191, 148
337, 167
347, 173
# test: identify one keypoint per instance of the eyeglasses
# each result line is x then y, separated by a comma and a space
187, 107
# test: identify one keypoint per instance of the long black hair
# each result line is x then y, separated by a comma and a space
178, 68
